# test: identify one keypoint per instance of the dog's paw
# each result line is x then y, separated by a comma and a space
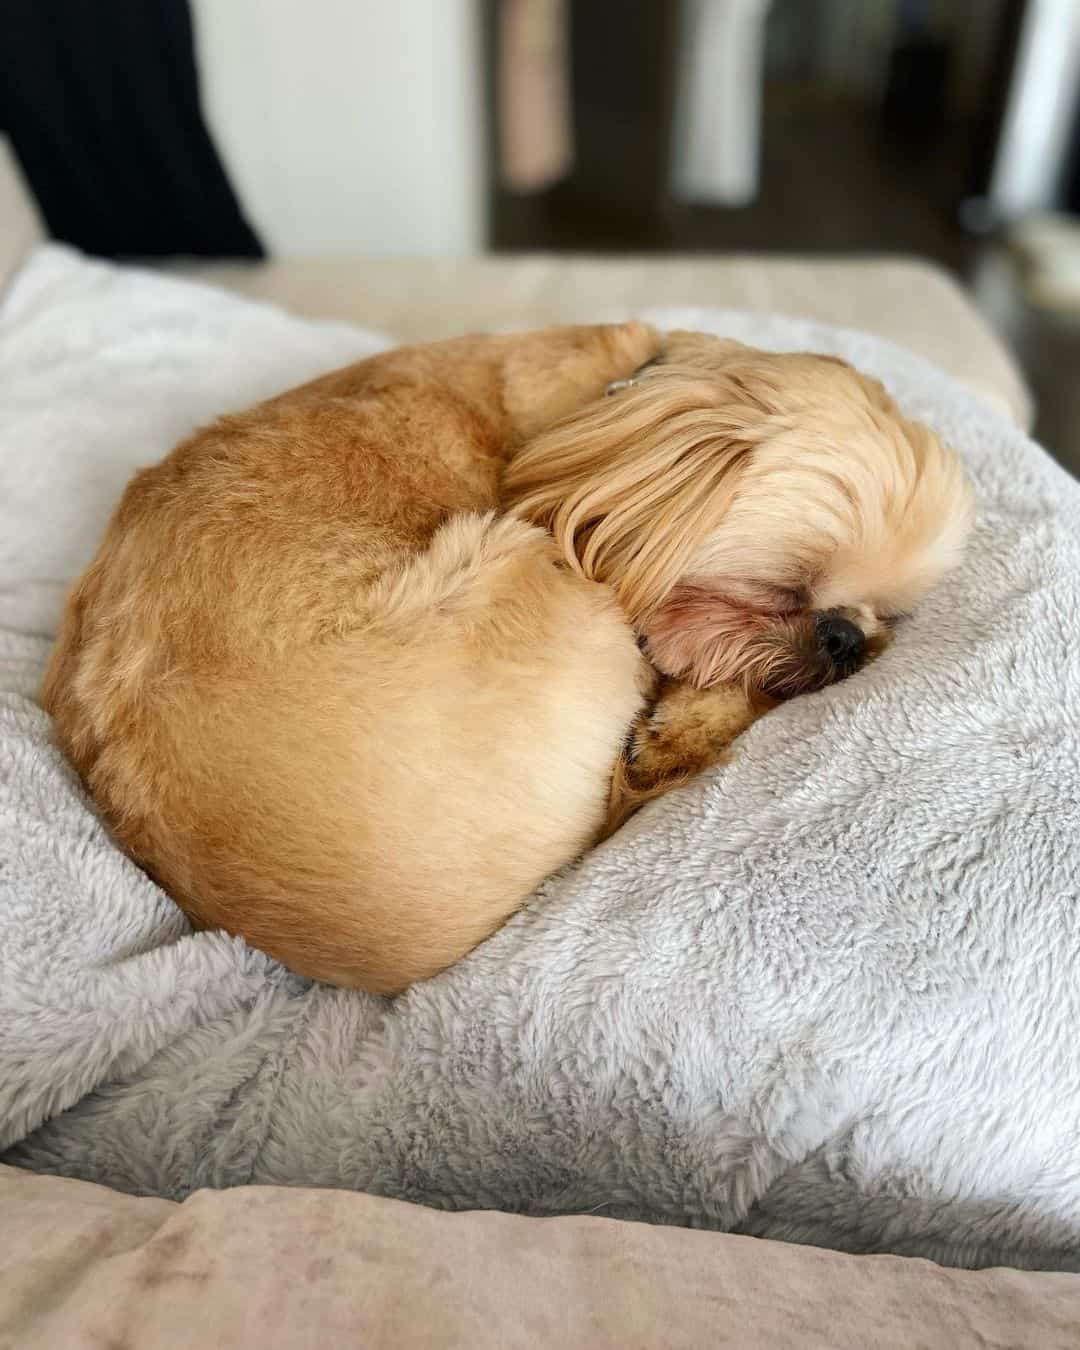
689, 729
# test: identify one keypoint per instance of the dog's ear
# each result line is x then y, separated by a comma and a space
552, 373
632, 485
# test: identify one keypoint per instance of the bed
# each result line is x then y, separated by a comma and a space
189, 1235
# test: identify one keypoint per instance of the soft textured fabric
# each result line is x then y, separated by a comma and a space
828, 992
257, 1268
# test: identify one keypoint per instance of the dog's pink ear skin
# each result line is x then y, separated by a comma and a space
674, 632
697, 634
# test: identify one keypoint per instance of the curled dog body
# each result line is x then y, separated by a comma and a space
354, 670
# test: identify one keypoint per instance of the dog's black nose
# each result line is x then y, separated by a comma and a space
842, 641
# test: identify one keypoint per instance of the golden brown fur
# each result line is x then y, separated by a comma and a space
336, 698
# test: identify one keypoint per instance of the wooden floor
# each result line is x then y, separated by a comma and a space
834, 182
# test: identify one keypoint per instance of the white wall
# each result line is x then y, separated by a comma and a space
349, 126
1040, 115
717, 126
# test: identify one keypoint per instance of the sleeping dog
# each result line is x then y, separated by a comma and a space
354, 670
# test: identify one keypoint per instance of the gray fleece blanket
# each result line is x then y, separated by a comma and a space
829, 993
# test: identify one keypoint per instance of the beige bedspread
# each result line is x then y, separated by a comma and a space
910, 302
266, 1268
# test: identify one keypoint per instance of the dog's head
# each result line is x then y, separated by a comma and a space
763, 518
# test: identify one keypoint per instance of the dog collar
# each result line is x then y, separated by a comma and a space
631, 380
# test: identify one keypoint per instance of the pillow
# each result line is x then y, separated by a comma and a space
828, 992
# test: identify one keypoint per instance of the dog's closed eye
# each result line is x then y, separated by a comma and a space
766, 598
791, 599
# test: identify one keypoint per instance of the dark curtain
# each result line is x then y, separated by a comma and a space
100, 99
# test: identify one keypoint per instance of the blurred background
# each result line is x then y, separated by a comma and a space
944, 129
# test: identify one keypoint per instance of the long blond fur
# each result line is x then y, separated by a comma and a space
631, 486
